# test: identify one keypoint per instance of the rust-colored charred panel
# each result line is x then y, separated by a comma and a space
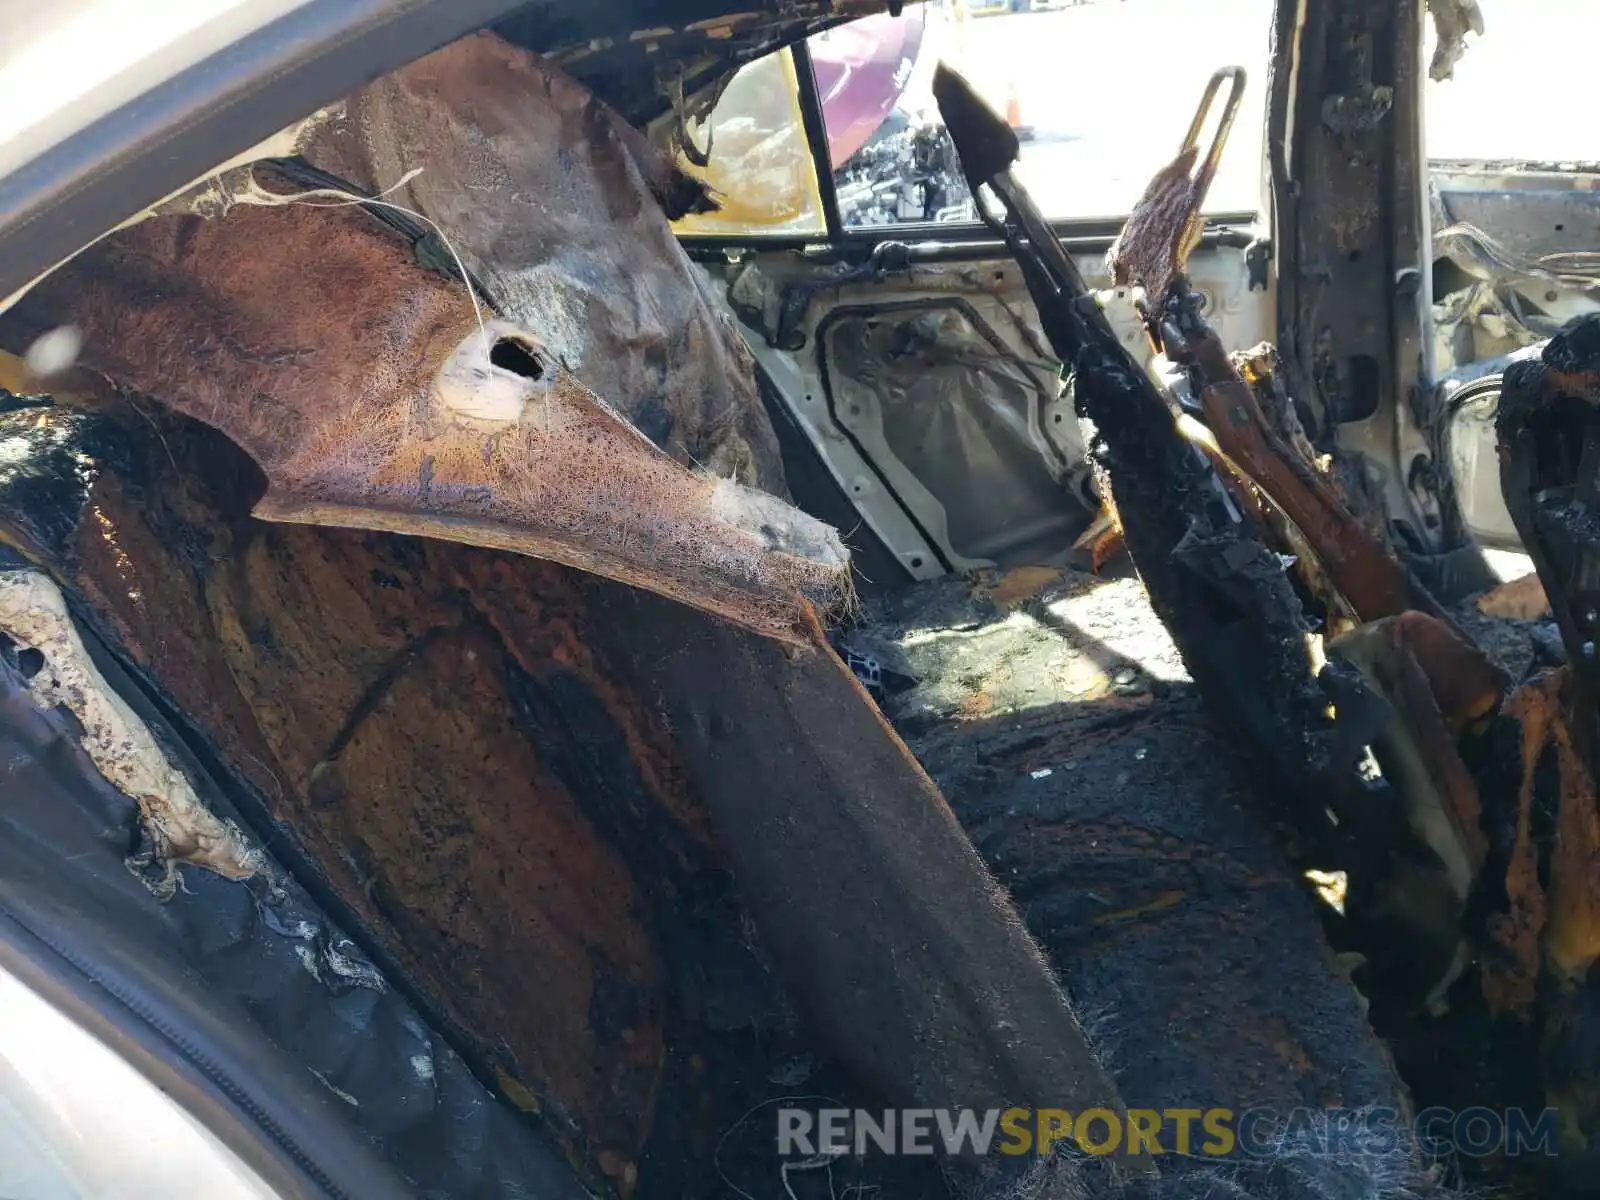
1462, 681
549, 637
477, 855
1361, 568
385, 695
1572, 942
1556, 909
373, 395
150, 601
1511, 970
311, 610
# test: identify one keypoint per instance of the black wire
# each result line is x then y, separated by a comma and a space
416, 232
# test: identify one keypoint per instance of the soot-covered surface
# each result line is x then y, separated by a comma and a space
1056, 715
423, 748
570, 919
450, 747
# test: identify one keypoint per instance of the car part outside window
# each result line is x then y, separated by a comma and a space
1100, 91
756, 156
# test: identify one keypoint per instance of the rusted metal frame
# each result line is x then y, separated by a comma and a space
1361, 568
1153, 251
1345, 140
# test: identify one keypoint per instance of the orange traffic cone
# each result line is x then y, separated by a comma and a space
1014, 114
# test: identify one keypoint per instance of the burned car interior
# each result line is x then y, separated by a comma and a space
618, 580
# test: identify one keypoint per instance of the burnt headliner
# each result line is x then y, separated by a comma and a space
632, 53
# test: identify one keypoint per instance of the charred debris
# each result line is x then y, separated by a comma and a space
543, 707
1453, 800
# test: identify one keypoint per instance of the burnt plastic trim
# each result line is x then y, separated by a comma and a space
276, 837
219, 992
184, 125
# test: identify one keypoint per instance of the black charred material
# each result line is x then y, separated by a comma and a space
1548, 430
1230, 606
53, 456
1223, 594
699, 41
875, 908
564, 834
987, 145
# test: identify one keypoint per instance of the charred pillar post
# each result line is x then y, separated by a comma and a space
1344, 111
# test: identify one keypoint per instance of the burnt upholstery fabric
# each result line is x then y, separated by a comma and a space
558, 206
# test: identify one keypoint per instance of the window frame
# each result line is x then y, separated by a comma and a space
970, 239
